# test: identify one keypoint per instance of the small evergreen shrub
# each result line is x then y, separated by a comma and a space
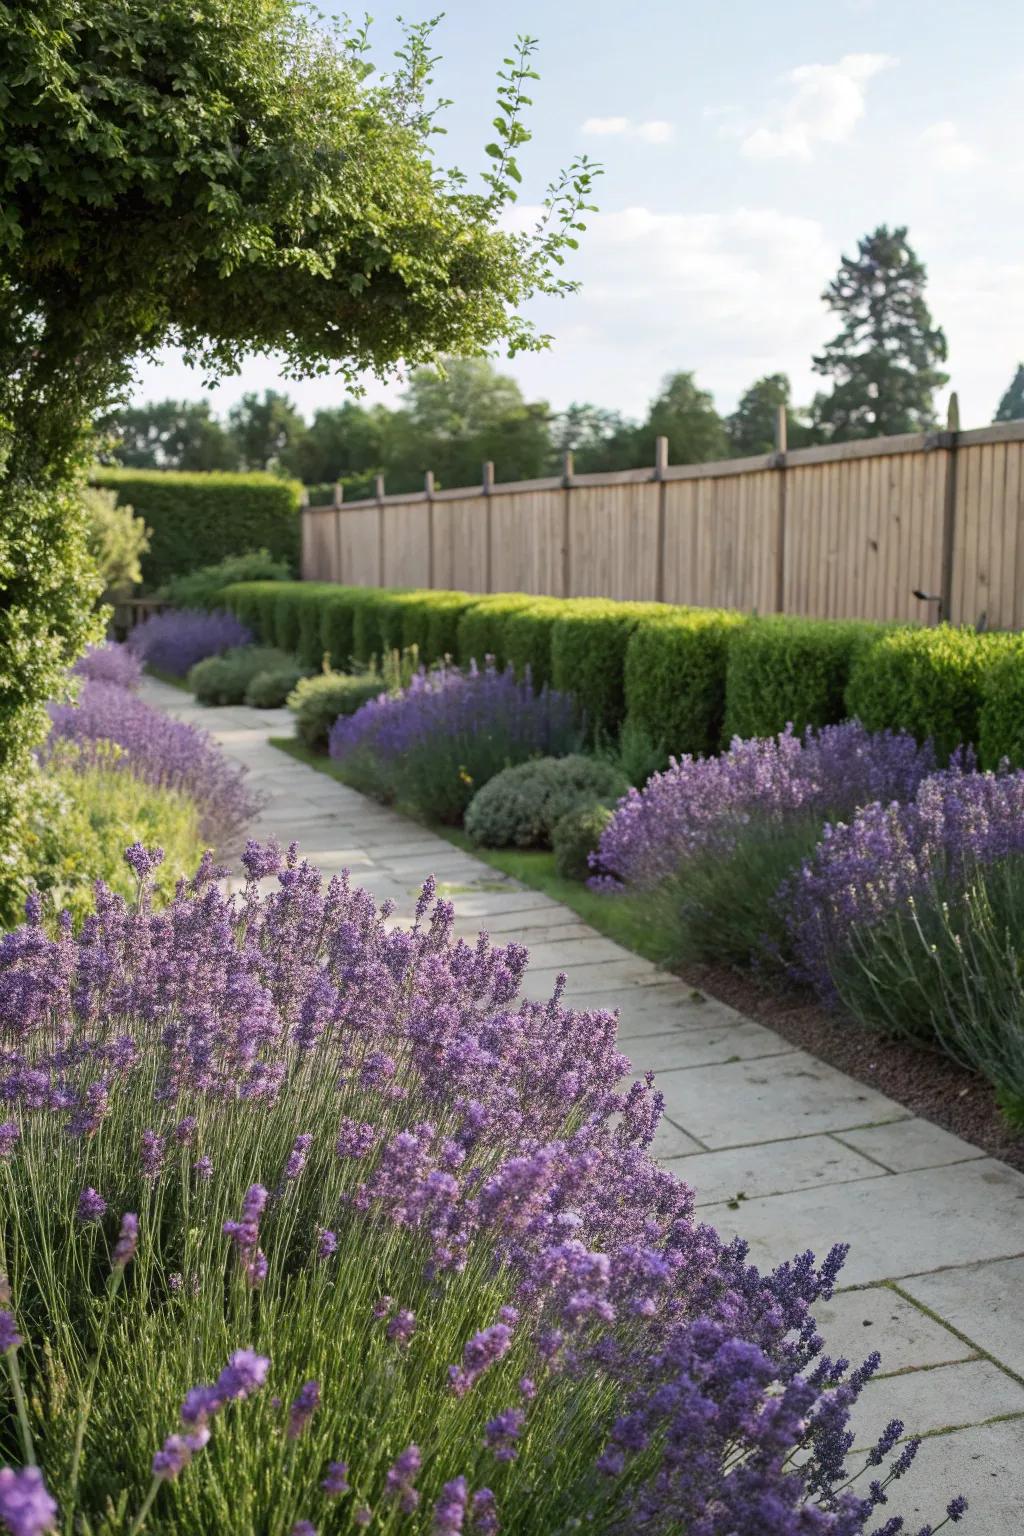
224, 679
317, 702
791, 671
576, 836
1001, 719
675, 669
519, 807
271, 689
203, 588
588, 657
930, 682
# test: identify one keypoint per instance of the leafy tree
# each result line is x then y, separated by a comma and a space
117, 539
598, 439
1011, 406
455, 420
885, 360
341, 442
751, 427
686, 415
264, 431
169, 434
230, 177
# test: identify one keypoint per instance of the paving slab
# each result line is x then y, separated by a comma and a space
670, 1142
909, 1144
901, 1225
744, 1173
856, 1323
986, 1464
982, 1301
739, 1103
702, 1045
944, 1397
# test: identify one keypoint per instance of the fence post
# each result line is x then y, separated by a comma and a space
567, 473
781, 448
945, 606
660, 466
378, 491
488, 487
339, 497
428, 491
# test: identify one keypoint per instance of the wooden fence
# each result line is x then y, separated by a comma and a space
916, 527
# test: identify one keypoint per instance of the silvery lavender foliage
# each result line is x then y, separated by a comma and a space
109, 663
700, 804
862, 870
174, 641
507, 1162
433, 744
168, 753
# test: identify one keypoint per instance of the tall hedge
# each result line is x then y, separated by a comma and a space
674, 678
527, 636
482, 627
931, 682
588, 656
1001, 719
785, 670
197, 519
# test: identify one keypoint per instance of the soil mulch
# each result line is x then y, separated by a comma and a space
929, 1084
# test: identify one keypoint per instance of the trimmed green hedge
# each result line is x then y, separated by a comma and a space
686, 679
198, 519
675, 673
931, 682
588, 656
785, 670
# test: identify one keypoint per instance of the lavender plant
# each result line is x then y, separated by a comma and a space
109, 663
434, 743
162, 752
312, 1225
174, 641
700, 805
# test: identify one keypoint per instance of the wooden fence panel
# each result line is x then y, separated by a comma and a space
613, 541
527, 541
406, 538
359, 547
721, 541
988, 549
460, 544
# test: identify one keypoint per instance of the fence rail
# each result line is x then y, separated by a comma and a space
921, 526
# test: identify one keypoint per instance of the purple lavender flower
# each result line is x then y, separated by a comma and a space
354, 1140
956, 1509
91, 1206
109, 663
303, 1408
401, 1476
326, 1243
10, 1338
402, 1326
127, 1241
335, 1481
174, 641
176, 1453
203, 1168
303, 1528
362, 1516
185, 1130
482, 1351
297, 1157
142, 861
245, 1373
164, 752
484, 1513
699, 805
10, 1135
245, 1234
501, 1434
151, 1158
26, 1508
450, 1509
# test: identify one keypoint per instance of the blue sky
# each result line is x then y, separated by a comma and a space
746, 146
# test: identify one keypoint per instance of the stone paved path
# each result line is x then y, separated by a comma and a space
779, 1147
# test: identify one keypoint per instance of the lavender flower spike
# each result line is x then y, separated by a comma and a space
450, 1509
26, 1508
91, 1206
127, 1241
303, 1409
10, 1338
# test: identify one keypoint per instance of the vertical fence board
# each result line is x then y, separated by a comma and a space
526, 551
614, 540
406, 544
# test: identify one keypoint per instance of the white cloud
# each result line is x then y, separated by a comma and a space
944, 148
825, 106
656, 131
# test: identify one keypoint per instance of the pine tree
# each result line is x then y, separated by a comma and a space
884, 362
1011, 406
